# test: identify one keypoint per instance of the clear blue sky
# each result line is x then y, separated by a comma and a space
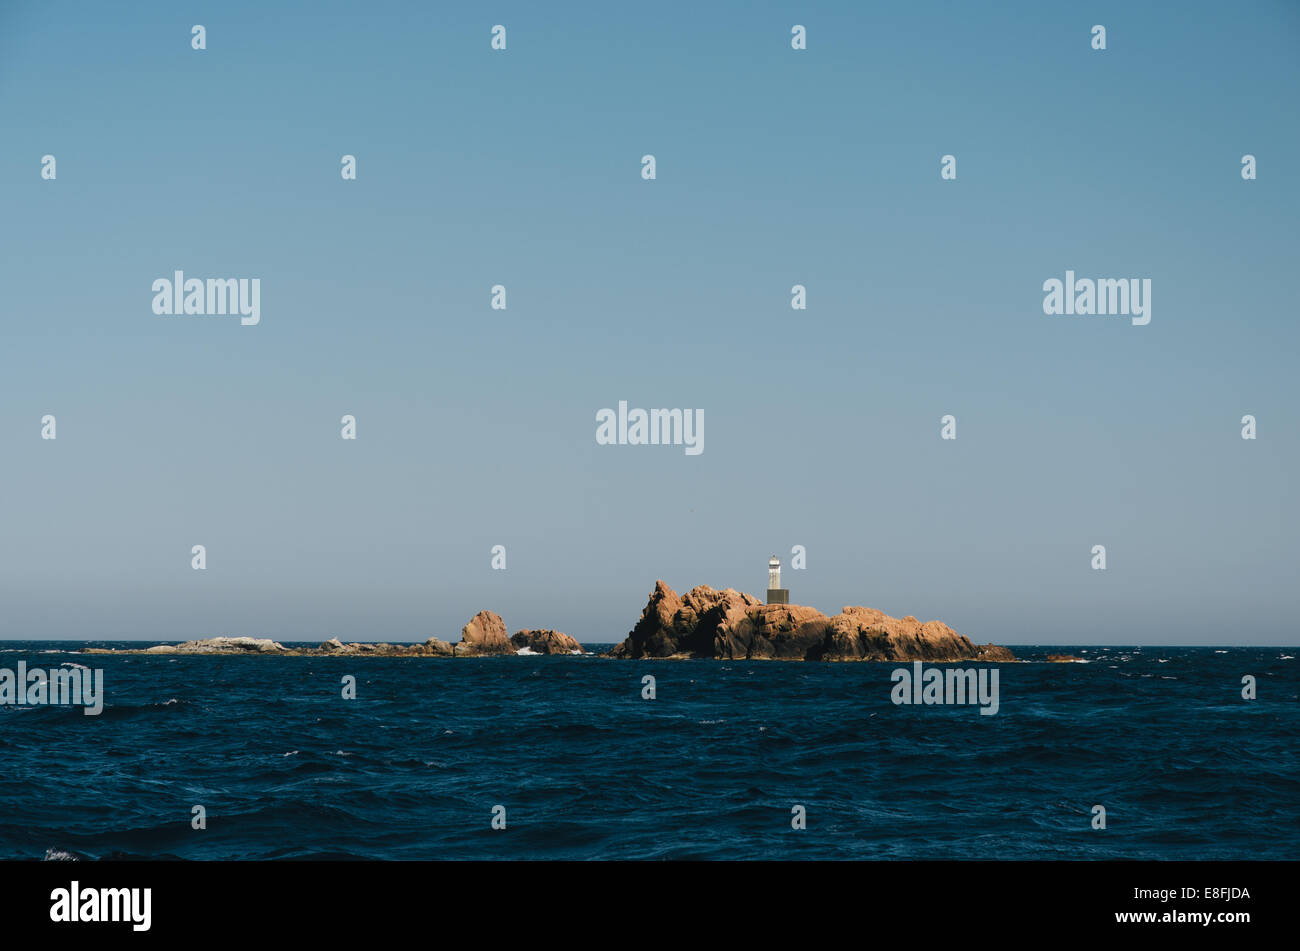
476, 427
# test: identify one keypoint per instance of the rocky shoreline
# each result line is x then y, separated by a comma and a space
703, 623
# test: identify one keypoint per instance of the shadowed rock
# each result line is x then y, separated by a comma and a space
545, 642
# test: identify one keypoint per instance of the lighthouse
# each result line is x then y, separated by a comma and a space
775, 593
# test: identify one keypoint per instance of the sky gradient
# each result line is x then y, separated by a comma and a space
476, 427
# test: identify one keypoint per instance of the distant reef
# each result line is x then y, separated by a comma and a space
704, 622
484, 636
730, 625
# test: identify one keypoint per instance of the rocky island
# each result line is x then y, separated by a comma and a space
730, 625
703, 623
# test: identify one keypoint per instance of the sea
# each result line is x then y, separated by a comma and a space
580, 757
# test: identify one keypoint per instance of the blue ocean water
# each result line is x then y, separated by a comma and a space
709, 769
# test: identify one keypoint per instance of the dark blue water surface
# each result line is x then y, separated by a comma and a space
711, 768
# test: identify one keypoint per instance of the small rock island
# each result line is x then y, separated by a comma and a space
703, 623
484, 636
730, 625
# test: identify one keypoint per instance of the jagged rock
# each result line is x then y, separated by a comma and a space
732, 625
484, 634
545, 642
672, 626
333, 644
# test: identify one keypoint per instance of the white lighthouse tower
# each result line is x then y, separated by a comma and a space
775, 593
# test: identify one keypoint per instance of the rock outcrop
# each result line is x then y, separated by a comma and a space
329, 648
671, 626
431, 647
484, 634
704, 622
545, 642
440, 648
731, 625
